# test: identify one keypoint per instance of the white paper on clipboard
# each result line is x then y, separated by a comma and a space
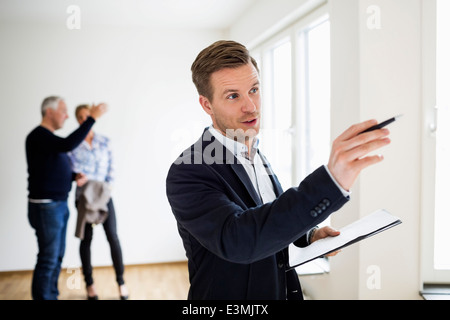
363, 228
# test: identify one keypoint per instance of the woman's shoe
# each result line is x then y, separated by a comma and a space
123, 292
91, 293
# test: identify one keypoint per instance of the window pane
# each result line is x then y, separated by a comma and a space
314, 92
277, 110
442, 215
282, 77
319, 95
282, 95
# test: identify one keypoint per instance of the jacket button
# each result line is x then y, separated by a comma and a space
318, 210
326, 202
313, 213
280, 265
322, 206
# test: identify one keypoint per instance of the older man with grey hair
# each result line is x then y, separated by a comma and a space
50, 180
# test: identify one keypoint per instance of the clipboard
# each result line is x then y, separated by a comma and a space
368, 226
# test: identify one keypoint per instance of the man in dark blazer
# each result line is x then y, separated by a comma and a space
235, 221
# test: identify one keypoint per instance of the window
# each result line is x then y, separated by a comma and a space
314, 109
277, 122
295, 131
436, 170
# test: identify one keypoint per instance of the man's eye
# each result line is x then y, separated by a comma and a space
254, 90
232, 96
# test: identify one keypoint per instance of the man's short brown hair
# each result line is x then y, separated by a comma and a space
220, 55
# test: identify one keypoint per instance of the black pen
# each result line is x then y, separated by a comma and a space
382, 125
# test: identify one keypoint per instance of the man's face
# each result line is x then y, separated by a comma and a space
236, 102
59, 115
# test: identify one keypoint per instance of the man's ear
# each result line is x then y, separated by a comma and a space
48, 112
206, 105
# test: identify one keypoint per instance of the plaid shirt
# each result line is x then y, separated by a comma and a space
96, 161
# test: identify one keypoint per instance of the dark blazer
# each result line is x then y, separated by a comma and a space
237, 246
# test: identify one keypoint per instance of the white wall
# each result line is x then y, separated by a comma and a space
375, 74
145, 77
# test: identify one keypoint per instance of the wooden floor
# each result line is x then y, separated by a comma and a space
165, 281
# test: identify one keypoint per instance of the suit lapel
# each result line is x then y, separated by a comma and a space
245, 180
230, 161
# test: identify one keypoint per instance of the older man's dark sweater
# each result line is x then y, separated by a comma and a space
50, 174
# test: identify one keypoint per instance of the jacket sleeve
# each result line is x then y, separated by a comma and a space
210, 211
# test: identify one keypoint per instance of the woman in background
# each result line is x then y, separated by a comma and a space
93, 157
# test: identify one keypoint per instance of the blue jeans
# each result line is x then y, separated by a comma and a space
50, 223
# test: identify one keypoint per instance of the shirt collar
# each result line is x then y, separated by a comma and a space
238, 149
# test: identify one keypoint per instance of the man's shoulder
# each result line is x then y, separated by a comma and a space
37, 133
37, 130
207, 150
190, 151
191, 155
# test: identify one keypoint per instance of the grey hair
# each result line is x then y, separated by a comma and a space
50, 102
